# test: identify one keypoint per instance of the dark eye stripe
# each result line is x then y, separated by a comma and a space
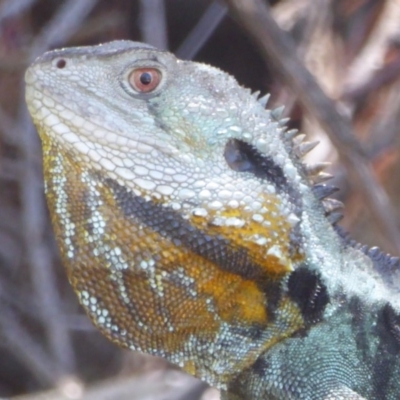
243, 157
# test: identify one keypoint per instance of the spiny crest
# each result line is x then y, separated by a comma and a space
315, 172
317, 175
386, 264
277, 113
377, 255
264, 99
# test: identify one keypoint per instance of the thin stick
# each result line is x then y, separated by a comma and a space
199, 35
153, 23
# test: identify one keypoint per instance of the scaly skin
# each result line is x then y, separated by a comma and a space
190, 230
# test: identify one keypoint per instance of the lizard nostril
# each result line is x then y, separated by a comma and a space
61, 63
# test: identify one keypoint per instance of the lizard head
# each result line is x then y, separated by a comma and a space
139, 103
179, 205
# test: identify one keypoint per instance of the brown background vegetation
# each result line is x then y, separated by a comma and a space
351, 47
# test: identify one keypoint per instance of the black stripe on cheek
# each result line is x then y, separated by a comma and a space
170, 224
243, 157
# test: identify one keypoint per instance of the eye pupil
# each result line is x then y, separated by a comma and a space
145, 78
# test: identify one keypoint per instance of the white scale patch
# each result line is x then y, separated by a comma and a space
156, 280
61, 209
101, 315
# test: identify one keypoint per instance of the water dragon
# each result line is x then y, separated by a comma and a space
192, 230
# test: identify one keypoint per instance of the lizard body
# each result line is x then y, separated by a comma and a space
190, 229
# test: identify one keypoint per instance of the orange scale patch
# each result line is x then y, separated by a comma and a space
236, 299
171, 307
107, 299
147, 305
189, 315
276, 234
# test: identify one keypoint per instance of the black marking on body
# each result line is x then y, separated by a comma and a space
253, 332
307, 290
252, 378
274, 294
386, 357
388, 329
243, 157
360, 323
261, 366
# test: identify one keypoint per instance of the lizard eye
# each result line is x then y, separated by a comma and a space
145, 80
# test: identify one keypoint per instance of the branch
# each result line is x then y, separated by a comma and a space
153, 23
199, 35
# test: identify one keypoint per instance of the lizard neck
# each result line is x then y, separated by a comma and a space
158, 282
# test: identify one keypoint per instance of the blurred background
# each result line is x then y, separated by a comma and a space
47, 345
